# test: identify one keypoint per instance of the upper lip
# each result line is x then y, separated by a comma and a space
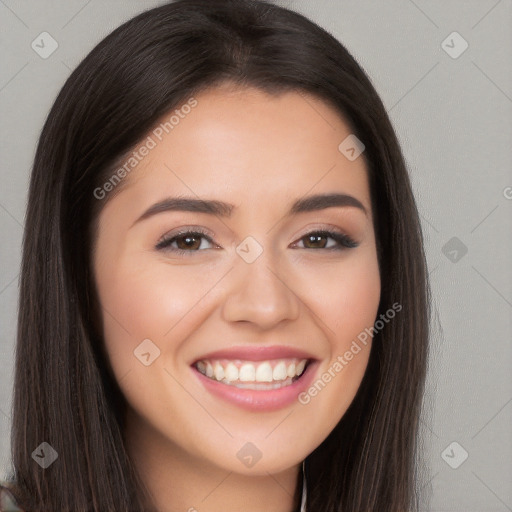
257, 353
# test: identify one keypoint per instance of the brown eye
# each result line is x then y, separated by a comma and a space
318, 240
186, 242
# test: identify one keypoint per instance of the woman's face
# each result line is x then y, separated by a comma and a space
258, 291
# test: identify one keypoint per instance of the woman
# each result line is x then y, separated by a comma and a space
224, 302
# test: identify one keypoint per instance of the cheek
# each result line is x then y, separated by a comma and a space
347, 305
144, 299
346, 297
354, 303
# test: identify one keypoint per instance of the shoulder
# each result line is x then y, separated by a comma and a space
7, 501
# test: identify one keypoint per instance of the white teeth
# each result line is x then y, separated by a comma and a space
261, 385
219, 372
231, 372
300, 367
235, 372
279, 372
264, 372
247, 373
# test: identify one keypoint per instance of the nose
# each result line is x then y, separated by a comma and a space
259, 294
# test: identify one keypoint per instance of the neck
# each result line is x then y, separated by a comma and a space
179, 481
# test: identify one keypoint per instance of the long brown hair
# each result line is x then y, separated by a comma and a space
64, 391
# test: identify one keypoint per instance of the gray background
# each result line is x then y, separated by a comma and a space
453, 118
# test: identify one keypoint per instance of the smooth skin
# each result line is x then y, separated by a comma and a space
261, 153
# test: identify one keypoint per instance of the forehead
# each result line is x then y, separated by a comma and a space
247, 146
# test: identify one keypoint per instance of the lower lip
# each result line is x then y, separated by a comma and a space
259, 400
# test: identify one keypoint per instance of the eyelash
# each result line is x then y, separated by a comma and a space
344, 241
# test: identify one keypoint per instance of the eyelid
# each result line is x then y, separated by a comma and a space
316, 227
183, 231
187, 229
342, 239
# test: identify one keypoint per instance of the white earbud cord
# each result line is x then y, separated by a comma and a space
304, 488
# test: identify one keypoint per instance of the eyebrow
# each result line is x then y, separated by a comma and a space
222, 209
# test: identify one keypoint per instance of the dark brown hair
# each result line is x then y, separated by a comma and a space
64, 391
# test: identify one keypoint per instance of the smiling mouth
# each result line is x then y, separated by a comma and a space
255, 375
